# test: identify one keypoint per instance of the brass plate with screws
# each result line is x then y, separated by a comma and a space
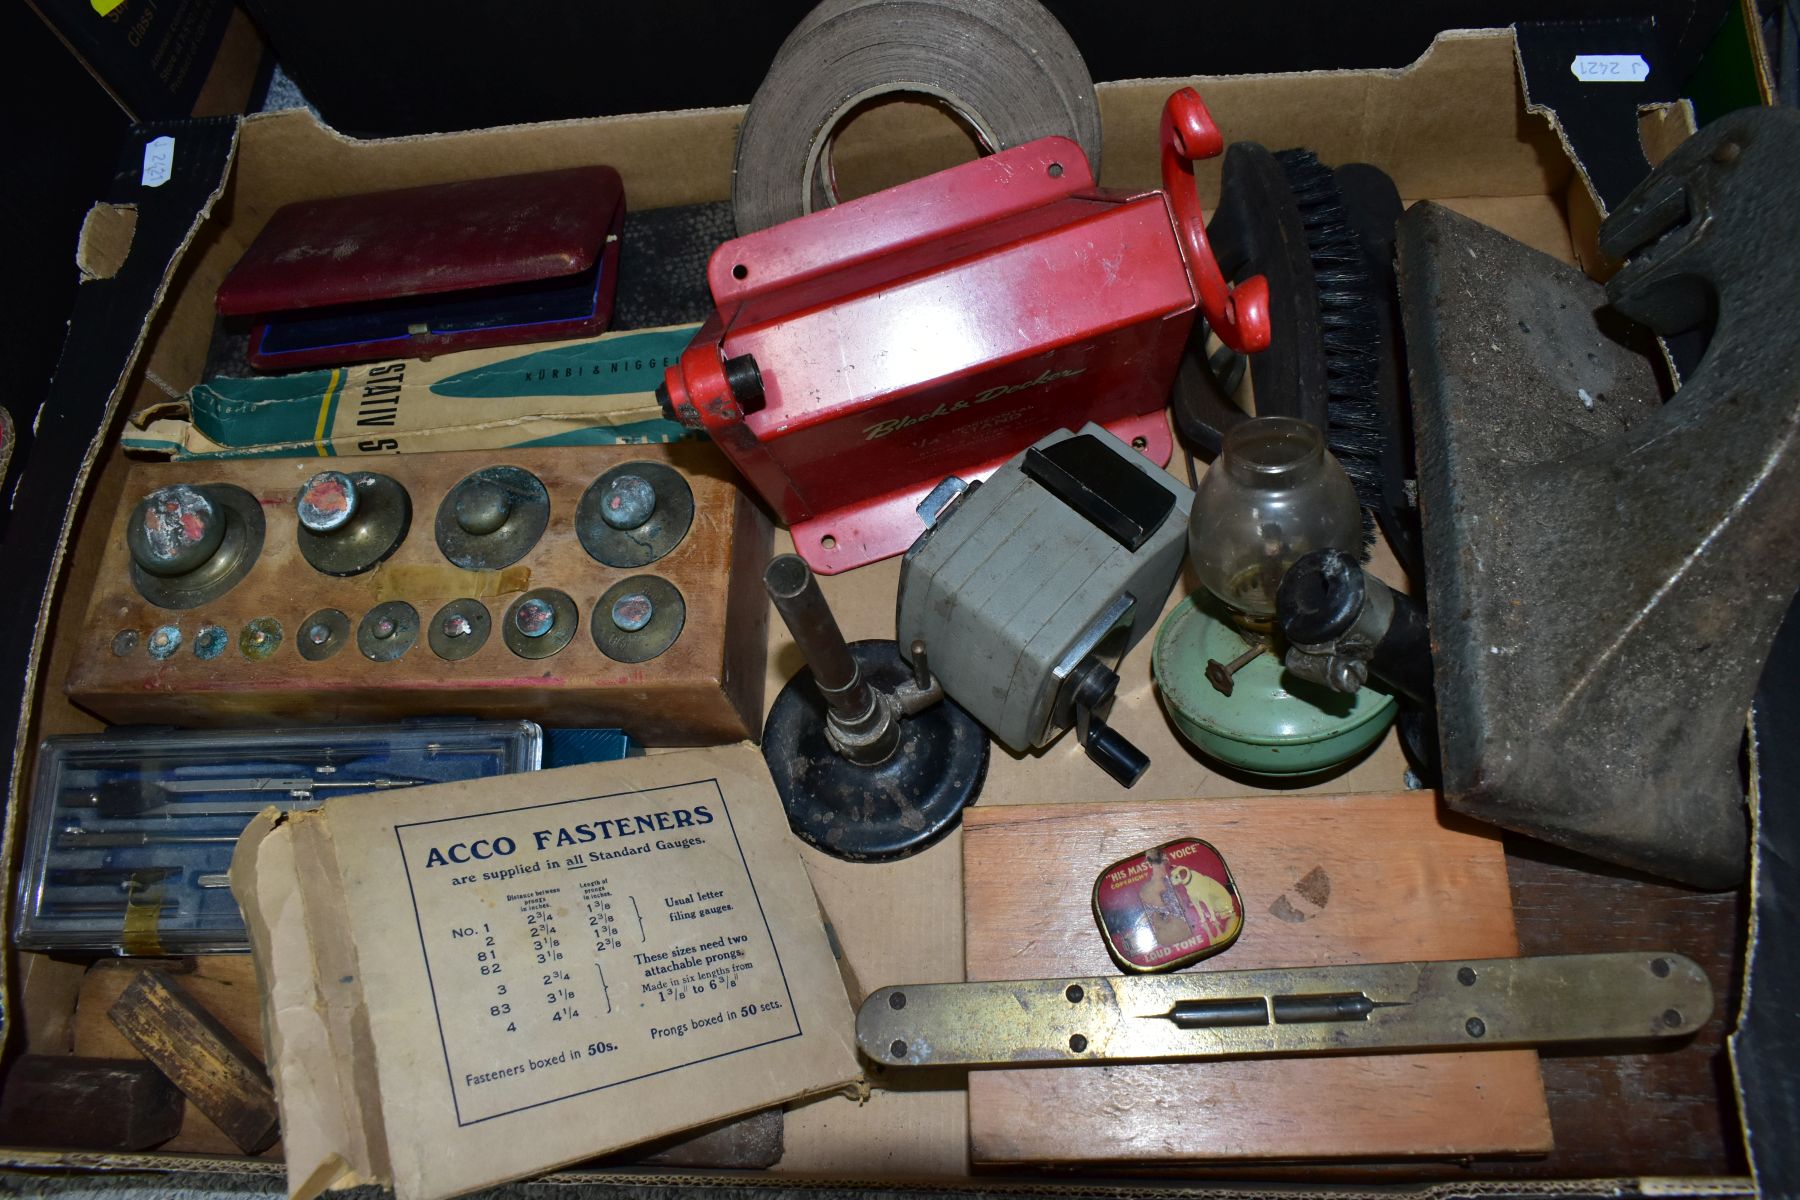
260, 638
322, 635
388, 631
459, 629
623, 629
539, 623
360, 518
492, 518
1466, 1004
634, 514
190, 544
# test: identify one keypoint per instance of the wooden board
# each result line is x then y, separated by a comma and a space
1366, 878
223, 984
1667, 1109
703, 690
200, 1056
88, 1103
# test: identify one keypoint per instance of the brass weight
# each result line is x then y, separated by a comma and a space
192, 543
492, 518
638, 618
634, 514
350, 522
539, 623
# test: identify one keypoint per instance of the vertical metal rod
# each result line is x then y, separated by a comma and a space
802, 606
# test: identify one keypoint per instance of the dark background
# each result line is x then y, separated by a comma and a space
410, 67
62, 133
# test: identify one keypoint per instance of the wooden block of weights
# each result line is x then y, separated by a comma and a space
237, 658
1324, 879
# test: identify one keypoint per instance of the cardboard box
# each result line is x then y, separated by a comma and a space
1452, 127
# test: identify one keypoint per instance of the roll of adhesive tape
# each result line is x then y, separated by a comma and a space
1005, 68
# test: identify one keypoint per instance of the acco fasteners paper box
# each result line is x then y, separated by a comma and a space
471, 983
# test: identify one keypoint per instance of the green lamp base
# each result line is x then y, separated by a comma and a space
1272, 723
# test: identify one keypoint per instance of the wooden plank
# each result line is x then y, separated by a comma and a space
1367, 878
1671, 1110
751, 1142
705, 689
225, 984
199, 1055
88, 1103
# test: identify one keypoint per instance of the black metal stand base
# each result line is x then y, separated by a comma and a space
883, 812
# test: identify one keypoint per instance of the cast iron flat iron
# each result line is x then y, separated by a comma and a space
1606, 571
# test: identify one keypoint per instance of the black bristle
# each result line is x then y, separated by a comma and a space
1355, 430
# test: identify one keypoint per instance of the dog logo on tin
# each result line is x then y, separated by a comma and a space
1169, 906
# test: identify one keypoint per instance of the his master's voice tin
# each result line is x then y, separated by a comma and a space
1167, 907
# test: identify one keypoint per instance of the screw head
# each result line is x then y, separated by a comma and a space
482, 507
1074, 993
1078, 1044
1348, 674
318, 635
631, 613
1466, 976
124, 642
628, 502
1476, 1027
898, 1049
1659, 967
1672, 1018
456, 625
897, 1000
534, 618
383, 627
327, 502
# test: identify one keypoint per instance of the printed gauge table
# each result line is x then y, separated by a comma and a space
552, 938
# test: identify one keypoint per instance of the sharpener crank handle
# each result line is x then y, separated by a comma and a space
1111, 751
1239, 315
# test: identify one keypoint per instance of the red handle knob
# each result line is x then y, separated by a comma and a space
1239, 315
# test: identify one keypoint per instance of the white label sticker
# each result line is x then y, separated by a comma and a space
159, 161
1610, 68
